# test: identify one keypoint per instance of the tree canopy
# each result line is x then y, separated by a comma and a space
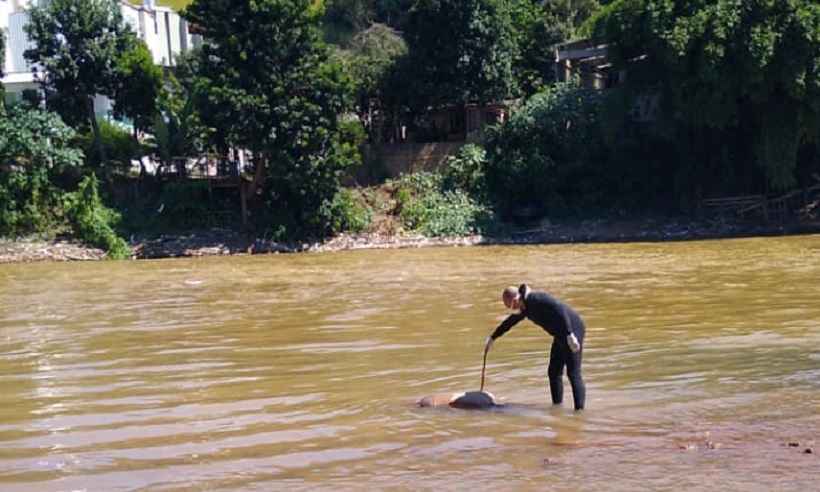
138, 85
745, 71
460, 51
77, 45
370, 58
266, 79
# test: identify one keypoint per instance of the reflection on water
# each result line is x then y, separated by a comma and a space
702, 363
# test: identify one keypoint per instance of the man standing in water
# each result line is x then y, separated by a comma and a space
560, 321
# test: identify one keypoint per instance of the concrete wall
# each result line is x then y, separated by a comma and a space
162, 29
392, 160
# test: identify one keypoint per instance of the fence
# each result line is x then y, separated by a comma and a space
801, 203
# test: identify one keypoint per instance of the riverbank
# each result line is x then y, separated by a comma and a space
221, 242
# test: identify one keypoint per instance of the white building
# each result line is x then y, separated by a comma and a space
163, 30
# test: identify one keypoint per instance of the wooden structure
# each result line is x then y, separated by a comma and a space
802, 203
206, 169
737, 205
466, 122
588, 61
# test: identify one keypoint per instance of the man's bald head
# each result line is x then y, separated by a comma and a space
510, 297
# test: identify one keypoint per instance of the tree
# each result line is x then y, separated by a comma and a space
570, 15
78, 44
344, 18
371, 56
138, 85
177, 128
392, 12
740, 80
2, 53
460, 51
265, 78
549, 152
538, 28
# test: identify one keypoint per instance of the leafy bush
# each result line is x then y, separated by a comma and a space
425, 206
26, 202
34, 149
119, 145
31, 138
467, 171
348, 213
302, 186
92, 221
740, 85
550, 153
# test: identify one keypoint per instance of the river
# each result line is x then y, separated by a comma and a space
301, 372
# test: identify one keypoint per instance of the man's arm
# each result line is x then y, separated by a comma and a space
572, 340
565, 316
505, 325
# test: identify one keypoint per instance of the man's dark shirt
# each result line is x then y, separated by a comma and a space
555, 317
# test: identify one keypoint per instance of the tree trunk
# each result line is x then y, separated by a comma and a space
260, 166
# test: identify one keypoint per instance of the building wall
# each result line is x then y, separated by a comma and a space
17, 42
162, 29
5, 10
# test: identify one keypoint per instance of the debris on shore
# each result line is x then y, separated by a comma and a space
220, 242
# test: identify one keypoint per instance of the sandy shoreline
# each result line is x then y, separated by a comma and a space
222, 242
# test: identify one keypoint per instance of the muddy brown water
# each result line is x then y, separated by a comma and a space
300, 372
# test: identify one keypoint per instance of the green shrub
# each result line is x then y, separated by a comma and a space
467, 171
34, 150
426, 207
119, 146
302, 185
27, 202
348, 213
551, 154
92, 221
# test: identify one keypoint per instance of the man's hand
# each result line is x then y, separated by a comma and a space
573, 343
488, 343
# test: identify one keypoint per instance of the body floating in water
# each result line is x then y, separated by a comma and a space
470, 400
